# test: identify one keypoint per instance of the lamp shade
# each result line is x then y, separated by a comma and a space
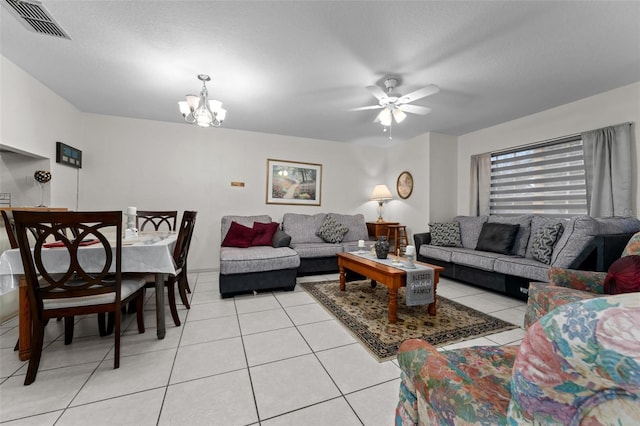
381, 193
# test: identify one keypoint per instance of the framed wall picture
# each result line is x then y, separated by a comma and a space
296, 183
404, 185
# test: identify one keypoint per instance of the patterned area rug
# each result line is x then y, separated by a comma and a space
363, 310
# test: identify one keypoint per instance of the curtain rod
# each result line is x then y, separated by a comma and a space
553, 140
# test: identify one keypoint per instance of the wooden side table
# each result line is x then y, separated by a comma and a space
377, 229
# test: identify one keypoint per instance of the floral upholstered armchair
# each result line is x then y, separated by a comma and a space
579, 364
567, 285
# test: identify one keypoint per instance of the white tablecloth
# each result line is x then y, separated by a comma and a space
150, 253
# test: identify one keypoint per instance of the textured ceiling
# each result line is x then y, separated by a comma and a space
296, 68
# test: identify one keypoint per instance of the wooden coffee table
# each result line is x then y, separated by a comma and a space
393, 278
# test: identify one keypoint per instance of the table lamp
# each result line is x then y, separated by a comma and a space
380, 194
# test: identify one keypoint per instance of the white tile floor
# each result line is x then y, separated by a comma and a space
273, 359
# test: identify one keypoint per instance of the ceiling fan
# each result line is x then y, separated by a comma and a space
395, 107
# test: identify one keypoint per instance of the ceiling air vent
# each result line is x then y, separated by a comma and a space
35, 17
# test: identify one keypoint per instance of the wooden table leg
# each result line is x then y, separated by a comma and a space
431, 309
342, 277
161, 330
393, 305
24, 321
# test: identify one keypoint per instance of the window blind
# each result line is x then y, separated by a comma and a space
546, 179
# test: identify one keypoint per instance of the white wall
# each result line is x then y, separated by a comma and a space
608, 108
431, 160
23, 99
157, 165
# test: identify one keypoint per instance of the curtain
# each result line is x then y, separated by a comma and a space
480, 184
608, 167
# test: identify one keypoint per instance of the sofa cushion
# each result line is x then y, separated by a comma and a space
238, 236
356, 224
544, 240
445, 234
235, 260
522, 267
577, 233
263, 233
331, 230
474, 258
281, 239
308, 250
470, 227
497, 237
436, 252
524, 232
225, 222
302, 227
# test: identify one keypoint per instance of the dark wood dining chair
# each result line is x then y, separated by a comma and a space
180, 253
75, 291
159, 220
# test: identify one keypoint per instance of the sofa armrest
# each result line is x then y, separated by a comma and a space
420, 239
592, 282
579, 365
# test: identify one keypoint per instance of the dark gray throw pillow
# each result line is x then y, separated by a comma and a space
281, 239
497, 237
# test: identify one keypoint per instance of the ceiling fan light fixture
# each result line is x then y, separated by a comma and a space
201, 111
385, 117
399, 115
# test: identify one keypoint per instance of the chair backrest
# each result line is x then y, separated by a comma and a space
157, 219
68, 276
183, 242
10, 226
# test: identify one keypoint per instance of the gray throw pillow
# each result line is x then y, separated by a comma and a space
281, 239
331, 230
445, 234
543, 241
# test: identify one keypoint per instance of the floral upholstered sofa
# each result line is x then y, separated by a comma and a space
568, 285
579, 364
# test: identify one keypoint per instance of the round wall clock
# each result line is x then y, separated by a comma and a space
404, 185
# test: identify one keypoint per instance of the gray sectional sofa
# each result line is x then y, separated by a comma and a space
585, 243
295, 250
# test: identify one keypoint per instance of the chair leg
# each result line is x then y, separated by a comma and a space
140, 311
117, 316
102, 325
37, 337
172, 301
68, 330
110, 320
183, 287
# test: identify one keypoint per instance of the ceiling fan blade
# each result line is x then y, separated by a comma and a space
418, 94
366, 108
377, 92
414, 109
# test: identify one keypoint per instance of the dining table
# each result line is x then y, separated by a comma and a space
149, 253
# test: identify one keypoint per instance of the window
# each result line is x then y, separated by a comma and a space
545, 179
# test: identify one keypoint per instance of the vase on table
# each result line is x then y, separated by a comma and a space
42, 177
382, 247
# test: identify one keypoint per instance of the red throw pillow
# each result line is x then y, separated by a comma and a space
623, 276
263, 233
238, 236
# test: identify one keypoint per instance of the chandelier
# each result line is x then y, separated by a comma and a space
200, 110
